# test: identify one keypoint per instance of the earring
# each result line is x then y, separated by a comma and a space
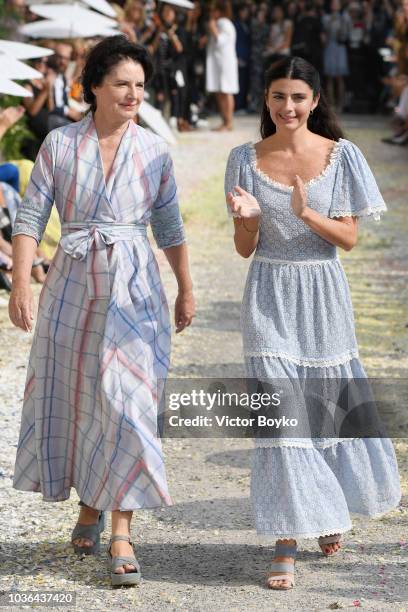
311, 112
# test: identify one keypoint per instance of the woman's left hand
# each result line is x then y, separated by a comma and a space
184, 310
299, 197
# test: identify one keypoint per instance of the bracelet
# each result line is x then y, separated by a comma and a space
245, 227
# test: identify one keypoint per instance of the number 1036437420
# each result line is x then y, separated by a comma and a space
45, 598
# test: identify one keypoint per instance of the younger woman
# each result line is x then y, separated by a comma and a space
296, 195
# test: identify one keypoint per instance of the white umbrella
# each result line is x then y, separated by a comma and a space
99, 5
155, 120
102, 6
22, 51
12, 89
73, 13
181, 3
57, 29
11, 68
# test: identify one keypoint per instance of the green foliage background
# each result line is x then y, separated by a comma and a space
10, 144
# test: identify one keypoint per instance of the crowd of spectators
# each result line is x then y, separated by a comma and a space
213, 57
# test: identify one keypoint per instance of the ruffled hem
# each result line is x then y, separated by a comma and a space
309, 361
265, 537
287, 443
370, 211
311, 492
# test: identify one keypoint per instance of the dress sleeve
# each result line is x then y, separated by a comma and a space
356, 192
166, 222
237, 172
35, 208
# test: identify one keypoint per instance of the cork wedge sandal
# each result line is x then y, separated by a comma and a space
287, 569
330, 539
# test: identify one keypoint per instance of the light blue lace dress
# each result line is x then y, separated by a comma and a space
297, 322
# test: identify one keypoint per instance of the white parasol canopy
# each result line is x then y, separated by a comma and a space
22, 51
11, 68
101, 6
155, 120
10, 88
181, 3
58, 29
72, 13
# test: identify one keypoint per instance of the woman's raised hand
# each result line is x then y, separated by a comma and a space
21, 307
299, 197
244, 204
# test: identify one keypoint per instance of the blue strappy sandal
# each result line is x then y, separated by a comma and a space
287, 569
127, 578
90, 532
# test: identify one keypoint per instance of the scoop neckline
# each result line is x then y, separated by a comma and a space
268, 179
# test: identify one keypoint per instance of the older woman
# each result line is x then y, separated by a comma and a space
102, 339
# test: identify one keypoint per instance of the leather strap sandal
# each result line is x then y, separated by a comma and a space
90, 532
330, 539
287, 569
126, 578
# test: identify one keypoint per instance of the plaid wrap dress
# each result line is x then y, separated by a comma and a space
102, 337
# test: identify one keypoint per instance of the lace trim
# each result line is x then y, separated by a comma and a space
311, 262
265, 537
373, 211
272, 443
334, 155
310, 362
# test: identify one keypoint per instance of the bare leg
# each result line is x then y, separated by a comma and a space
87, 516
220, 104
121, 526
229, 107
226, 107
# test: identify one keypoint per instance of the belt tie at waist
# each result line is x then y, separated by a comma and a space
89, 241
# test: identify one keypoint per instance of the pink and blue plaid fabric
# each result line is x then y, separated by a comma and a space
102, 338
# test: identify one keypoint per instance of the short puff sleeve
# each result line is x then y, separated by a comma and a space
238, 172
166, 221
355, 191
35, 208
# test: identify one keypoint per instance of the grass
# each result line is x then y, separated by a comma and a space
208, 204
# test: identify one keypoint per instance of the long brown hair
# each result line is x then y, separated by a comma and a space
224, 7
322, 121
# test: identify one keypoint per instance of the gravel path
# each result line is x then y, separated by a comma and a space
202, 553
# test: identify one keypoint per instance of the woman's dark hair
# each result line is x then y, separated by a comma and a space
107, 54
322, 121
224, 7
